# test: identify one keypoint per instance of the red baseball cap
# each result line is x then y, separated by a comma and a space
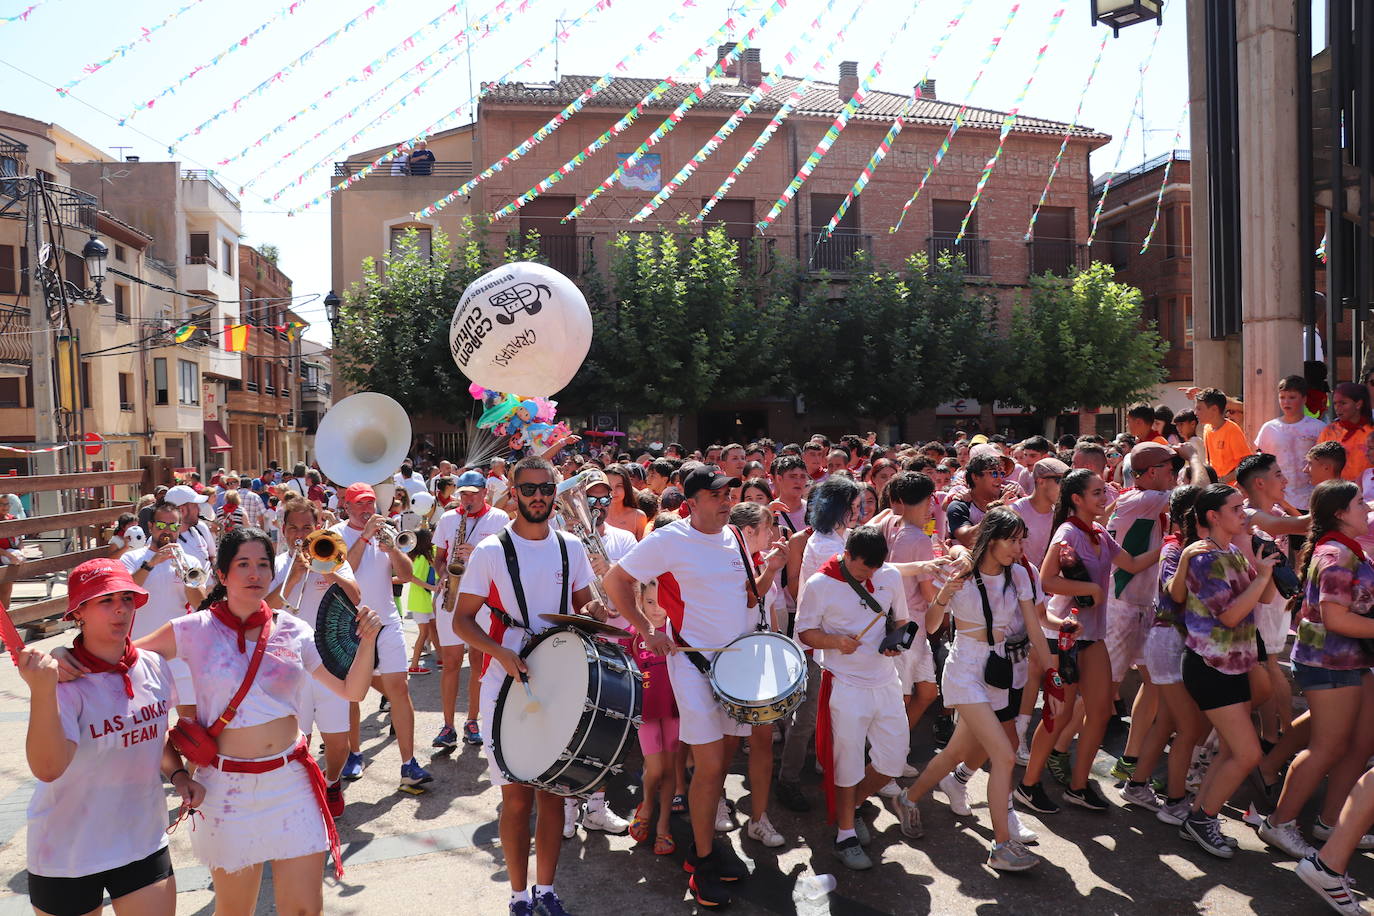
357, 492
95, 578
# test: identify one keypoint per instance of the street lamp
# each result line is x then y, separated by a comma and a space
331, 310
1120, 13
95, 254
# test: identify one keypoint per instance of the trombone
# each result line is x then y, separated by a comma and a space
325, 551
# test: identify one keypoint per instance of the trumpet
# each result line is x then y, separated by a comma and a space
389, 537
189, 576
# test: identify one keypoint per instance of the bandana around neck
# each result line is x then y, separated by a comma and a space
241, 627
97, 665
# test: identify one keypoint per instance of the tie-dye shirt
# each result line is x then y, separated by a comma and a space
1215, 580
1167, 611
1339, 576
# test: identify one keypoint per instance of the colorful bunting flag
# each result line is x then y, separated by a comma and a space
959, 115
235, 337
22, 16
836, 127
145, 35
184, 333
1008, 122
1164, 181
1126, 136
1068, 132
885, 145
242, 42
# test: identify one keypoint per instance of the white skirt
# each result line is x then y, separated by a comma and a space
257, 817
963, 682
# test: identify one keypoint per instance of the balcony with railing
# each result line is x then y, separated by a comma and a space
567, 254
973, 251
210, 180
398, 169
16, 343
835, 253
75, 209
1057, 256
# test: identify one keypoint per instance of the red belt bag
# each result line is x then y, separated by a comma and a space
197, 743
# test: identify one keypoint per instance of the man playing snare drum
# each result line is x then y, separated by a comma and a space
703, 588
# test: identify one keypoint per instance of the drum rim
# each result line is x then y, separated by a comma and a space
724, 696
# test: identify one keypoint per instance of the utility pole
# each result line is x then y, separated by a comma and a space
42, 367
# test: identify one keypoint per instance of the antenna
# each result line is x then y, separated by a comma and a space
558, 42
120, 150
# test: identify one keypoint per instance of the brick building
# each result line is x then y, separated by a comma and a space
995, 248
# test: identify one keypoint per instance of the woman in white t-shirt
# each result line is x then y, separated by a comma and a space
98, 819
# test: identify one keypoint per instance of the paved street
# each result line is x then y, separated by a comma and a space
439, 853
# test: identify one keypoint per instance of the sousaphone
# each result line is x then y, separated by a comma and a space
363, 439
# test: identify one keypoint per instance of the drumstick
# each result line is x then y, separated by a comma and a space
869, 627
701, 649
533, 705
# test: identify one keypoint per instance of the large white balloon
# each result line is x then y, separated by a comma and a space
522, 328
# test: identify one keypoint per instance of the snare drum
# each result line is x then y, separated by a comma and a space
586, 711
761, 680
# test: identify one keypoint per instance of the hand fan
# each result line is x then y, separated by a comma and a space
336, 631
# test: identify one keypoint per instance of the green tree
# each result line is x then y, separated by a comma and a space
1081, 342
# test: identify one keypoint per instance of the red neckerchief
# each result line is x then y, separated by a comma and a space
1171, 539
241, 627
97, 665
485, 509
1090, 530
1344, 540
831, 568
1349, 429
818, 474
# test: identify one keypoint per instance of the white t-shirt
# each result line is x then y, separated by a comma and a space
373, 573
1138, 522
412, 484
702, 584
819, 548
830, 605
1367, 484
475, 530
108, 808
1039, 527
967, 603
617, 542
1290, 443
308, 593
198, 542
166, 594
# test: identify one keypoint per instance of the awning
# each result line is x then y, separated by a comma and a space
215, 435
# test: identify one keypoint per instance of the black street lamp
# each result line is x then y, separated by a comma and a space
331, 310
95, 253
1120, 13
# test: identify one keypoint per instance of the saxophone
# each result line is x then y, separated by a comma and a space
457, 566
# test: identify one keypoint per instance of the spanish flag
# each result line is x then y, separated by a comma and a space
183, 333
236, 337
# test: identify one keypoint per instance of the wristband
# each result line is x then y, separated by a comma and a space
144, 566
172, 778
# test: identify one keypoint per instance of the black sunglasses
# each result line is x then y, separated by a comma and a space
529, 489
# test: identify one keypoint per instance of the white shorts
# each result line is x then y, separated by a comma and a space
422, 617
257, 817
486, 705
1273, 622
181, 677
875, 715
701, 718
392, 656
444, 626
1164, 655
1127, 626
329, 711
963, 682
916, 665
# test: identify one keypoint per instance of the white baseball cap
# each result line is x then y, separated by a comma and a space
181, 494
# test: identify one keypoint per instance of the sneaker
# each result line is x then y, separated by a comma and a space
1035, 798
1334, 889
909, 771
942, 729
1140, 795
908, 815
1321, 832
353, 767
1019, 831
471, 733
762, 830
1175, 813
861, 830
1122, 771
548, 904
1060, 767
891, 790
724, 822
412, 774
384, 704
957, 793
705, 884
417, 669
521, 908
791, 797
571, 809
1090, 797
447, 738
604, 819
1023, 754
1286, 838
723, 863
1012, 856
851, 854
334, 798
1206, 832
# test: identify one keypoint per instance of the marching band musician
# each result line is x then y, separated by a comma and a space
374, 562
163, 568
194, 534
459, 531
527, 570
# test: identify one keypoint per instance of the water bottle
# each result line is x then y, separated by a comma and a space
810, 897
1068, 662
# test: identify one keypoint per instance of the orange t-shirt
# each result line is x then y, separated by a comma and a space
1226, 446
1352, 440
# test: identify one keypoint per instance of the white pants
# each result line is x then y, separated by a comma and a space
872, 715
701, 719
916, 665
963, 682
448, 636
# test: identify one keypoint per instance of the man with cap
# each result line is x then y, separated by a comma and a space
1138, 521
1037, 510
373, 566
459, 530
699, 565
194, 535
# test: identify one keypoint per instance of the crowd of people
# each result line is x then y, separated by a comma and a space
1003, 594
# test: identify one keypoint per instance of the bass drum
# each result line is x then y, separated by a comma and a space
586, 711
762, 678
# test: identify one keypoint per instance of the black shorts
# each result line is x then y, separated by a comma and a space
77, 896
1013, 707
1210, 688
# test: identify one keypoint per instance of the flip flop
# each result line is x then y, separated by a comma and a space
639, 825
664, 845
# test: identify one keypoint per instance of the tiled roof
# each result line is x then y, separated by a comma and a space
819, 100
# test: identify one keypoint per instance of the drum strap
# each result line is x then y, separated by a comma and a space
866, 596
755, 599
513, 567
696, 658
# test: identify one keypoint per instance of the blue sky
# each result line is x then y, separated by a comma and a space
62, 36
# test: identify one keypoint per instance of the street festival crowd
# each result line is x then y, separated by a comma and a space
1016, 583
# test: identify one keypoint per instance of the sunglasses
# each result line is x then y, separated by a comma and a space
529, 489
166, 526
599, 502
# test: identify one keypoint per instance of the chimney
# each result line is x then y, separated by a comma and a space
130, 158
733, 69
925, 89
751, 68
849, 79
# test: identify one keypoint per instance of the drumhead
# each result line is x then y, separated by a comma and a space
531, 742
762, 667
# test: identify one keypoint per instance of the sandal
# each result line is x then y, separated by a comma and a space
679, 804
664, 845
639, 825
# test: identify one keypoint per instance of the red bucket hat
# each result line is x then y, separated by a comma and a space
95, 578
